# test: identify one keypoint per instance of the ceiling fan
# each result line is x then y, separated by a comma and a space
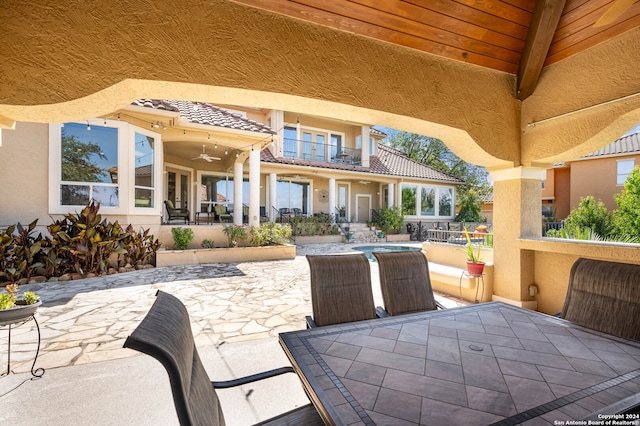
204, 156
617, 8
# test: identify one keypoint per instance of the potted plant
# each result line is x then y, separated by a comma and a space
475, 265
13, 310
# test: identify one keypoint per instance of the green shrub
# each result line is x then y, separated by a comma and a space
235, 234
392, 219
590, 214
182, 237
318, 224
270, 234
206, 243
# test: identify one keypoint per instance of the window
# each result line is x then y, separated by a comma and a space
624, 168
218, 189
290, 142
293, 195
335, 145
144, 160
409, 197
88, 165
445, 196
115, 164
427, 201
359, 144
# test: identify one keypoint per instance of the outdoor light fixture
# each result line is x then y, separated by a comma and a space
88, 125
226, 151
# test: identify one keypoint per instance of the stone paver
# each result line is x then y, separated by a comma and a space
88, 320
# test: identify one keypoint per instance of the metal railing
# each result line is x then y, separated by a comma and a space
459, 237
321, 152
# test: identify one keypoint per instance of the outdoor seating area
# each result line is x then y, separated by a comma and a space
444, 359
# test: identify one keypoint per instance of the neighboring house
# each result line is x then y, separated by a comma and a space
192, 154
601, 173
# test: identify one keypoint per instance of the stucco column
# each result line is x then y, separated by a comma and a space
365, 146
237, 193
254, 187
332, 197
517, 212
391, 189
273, 182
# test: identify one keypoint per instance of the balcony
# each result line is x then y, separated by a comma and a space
320, 152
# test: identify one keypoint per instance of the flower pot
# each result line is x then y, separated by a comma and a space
18, 313
474, 268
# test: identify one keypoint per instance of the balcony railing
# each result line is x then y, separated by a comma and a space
325, 153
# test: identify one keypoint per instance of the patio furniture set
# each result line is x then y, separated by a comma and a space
413, 361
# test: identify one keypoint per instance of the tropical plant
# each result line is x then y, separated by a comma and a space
182, 237
470, 207
235, 234
473, 255
85, 241
270, 234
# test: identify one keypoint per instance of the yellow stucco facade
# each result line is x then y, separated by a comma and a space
66, 62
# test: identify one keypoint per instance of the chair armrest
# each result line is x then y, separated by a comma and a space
382, 312
253, 378
310, 322
440, 305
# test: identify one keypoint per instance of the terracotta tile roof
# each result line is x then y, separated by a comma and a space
205, 113
389, 161
628, 144
377, 132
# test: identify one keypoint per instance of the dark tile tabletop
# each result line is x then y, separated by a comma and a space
489, 363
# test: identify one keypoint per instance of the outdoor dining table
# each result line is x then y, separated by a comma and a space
489, 363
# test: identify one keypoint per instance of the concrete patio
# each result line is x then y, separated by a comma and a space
237, 311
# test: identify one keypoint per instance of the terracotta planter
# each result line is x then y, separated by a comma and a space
474, 268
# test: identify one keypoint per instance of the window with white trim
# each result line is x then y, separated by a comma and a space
113, 163
428, 201
624, 167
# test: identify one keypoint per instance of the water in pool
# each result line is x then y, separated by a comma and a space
368, 250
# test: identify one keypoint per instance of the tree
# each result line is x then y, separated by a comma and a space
626, 219
76, 160
590, 214
434, 153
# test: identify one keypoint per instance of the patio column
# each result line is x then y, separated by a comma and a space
254, 187
332, 197
517, 213
391, 189
365, 146
273, 182
237, 193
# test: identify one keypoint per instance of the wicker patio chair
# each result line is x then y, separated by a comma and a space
604, 296
405, 283
340, 289
165, 334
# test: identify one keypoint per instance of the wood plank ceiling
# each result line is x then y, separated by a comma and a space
513, 36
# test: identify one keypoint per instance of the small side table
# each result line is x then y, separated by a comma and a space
478, 278
17, 317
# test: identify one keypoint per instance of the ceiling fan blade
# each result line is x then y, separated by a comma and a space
617, 8
207, 159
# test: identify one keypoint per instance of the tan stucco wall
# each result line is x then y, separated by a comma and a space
603, 187
562, 191
249, 57
553, 261
549, 184
601, 74
24, 175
